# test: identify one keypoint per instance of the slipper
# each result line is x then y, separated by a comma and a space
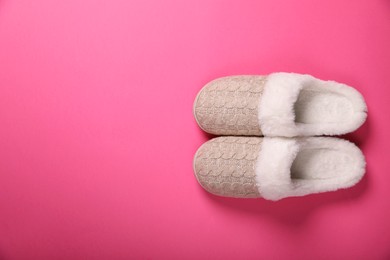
276, 167
280, 104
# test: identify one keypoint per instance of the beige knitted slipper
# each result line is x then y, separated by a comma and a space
277, 167
280, 104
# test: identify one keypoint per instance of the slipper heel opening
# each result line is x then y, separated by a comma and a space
328, 107
316, 107
327, 164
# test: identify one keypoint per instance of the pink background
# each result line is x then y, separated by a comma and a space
97, 134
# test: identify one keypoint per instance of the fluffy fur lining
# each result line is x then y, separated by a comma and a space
273, 167
301, 166
324, 107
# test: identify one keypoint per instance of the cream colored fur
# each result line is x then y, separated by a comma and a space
301, 105
288, 167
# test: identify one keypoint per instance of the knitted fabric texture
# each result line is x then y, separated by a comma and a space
225, 166
229, 105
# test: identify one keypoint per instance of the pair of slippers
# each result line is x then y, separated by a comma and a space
268, 126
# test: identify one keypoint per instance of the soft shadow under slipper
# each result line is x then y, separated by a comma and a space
280, 104
277, 167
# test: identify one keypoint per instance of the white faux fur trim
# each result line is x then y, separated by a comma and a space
273, 167
281, 91
288, 167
